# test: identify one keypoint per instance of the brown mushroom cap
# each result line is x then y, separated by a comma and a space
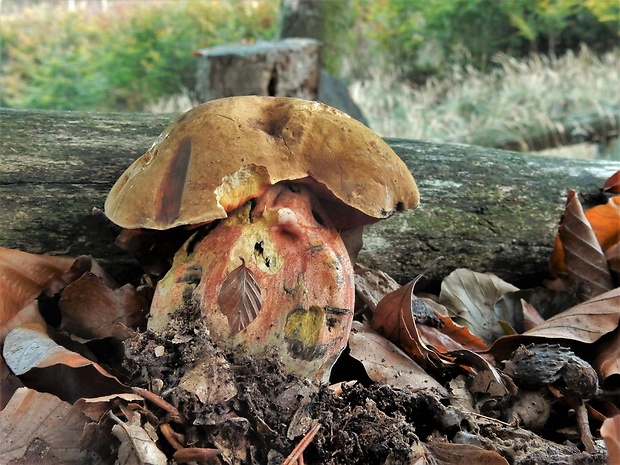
219, 155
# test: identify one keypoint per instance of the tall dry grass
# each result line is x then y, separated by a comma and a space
514, 93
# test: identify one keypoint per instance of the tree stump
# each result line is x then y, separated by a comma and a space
288, 68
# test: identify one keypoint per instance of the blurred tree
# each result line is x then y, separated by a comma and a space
328, 21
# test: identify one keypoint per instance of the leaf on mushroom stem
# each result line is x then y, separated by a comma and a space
240, 298
40, 363
38, 427
470, 298
586, 264
91, 310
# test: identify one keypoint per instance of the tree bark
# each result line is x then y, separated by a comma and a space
484, 209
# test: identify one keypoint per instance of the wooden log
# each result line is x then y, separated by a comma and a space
485, 209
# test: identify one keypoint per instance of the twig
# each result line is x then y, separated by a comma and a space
175, 415
295, 456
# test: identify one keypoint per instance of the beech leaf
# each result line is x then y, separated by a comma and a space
607, 361
470, 297
91, 310
612, 184
610, 431
385, 363
24, 276
586, 264
36, 427
240, 298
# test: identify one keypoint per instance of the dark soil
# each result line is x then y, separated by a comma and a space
257, 413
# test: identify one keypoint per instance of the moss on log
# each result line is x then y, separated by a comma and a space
485, 209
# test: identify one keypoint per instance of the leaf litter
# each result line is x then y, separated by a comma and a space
425, 380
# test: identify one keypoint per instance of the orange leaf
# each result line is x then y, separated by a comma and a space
610, 431
24, 277
446, 453
612, 184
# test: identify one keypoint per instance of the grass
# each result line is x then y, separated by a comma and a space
514, 93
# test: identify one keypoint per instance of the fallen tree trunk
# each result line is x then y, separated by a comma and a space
485, 209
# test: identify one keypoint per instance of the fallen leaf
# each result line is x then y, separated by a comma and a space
607, 360
612, 255
584, 323
24, 276
95, 407
612, 184
36, 427
91, 310
40, 362
604, 220
137, 446
610, 431
586, 264
470, 298
446, 453
385, 363
240, 298
395, 318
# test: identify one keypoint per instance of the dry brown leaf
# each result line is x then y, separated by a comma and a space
137, 447
607, 361
394, 318
94, 408
39, 362
385, 363
36, 427
612, 184
585, 261
240, 298
446, 453
91, 310
24, 276
612, 255
610, 431
586, 322
9, 383
29, 314
470, 298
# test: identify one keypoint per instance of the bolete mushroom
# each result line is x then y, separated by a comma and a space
276, 181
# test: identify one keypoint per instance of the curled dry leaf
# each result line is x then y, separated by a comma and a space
385, 363
39, 362
585, 261
137, 445
607, 361
610, 431
394, 318
91, 310
24, 276
36, 427
470, 297
240, 298
584, 323
604, 221
612, 184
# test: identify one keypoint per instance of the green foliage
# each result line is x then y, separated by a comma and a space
122, 59
426, 37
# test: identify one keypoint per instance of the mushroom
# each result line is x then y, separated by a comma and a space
270, 186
